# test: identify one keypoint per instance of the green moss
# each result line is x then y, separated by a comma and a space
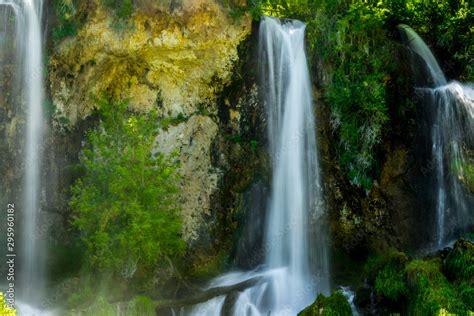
430, 290
166, 122
390, 283
102, 307
459, 263
209, 267
334, 305
141, 306
459, 268
387, 274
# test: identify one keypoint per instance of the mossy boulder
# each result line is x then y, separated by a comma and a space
430, 290
459, 268
439, 284
334, 305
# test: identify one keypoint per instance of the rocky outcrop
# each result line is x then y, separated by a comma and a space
173, 61
174, 57
191, 141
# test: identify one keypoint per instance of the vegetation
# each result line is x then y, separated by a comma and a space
141, 306
123, 9
5, 310
459, 269
353, 44
389, 281
334, 305
425, 287
67, 23
125, 203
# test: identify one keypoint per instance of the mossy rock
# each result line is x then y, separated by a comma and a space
459, 263
458, 266
334, 305
430, 290
441, 284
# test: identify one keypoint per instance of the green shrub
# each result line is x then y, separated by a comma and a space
125, 204
334, 305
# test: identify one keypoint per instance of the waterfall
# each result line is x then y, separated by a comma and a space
296, 264
29, 65
296, 204
450, 114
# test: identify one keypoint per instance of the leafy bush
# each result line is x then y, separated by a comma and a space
125, 203
334, 305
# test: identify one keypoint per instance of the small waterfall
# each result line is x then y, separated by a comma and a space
418, 46
296, 264
29, 67
296, 204
450, 113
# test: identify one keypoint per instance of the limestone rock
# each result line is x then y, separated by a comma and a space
175, 60
191, 141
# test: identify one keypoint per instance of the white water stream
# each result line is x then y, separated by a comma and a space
296, 264
29, 67
452, 140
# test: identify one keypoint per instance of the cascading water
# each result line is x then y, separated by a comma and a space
450, 109
296, 264
28, 40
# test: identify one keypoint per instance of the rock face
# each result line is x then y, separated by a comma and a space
174, 59
192, 142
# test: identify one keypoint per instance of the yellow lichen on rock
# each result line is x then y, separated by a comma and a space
182, 58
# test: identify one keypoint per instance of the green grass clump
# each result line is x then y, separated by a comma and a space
334, 305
